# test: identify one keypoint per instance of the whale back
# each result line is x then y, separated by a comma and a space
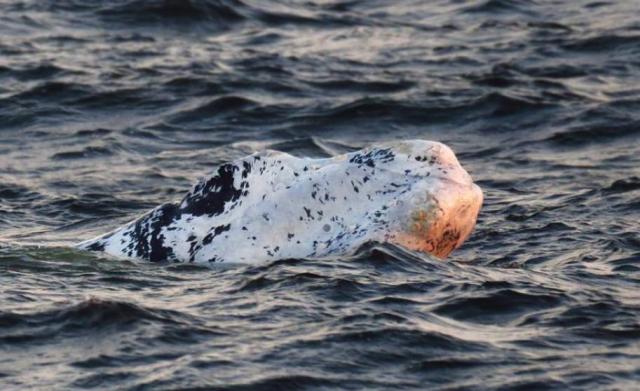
272, 205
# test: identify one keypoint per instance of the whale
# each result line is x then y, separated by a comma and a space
271, 205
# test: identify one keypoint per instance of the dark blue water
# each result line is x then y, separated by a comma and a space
110, 108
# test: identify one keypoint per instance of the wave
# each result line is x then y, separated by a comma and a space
598, 133
87, 152
85, 317
54, 91
41, 71
216, 15
218, 107
145, 12
623, 185
499, 306
501, 6
602, 42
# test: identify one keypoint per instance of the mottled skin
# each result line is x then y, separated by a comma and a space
272, 205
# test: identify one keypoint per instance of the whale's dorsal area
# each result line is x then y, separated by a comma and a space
272, 205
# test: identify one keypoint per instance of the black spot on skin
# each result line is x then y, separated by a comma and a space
194, 247
216, 231
209, 197
160, 218
246, 169
372, 157
96, 246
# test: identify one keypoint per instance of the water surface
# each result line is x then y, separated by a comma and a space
107, 110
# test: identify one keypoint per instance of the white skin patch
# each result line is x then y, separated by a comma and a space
272, 205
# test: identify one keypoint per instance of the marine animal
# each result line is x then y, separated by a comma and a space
272, 205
